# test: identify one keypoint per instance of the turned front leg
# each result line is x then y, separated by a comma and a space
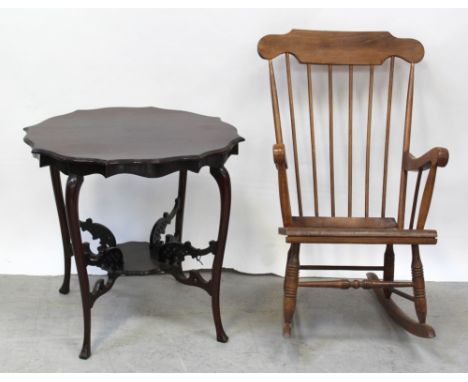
389, 268
72, 197
224, 184
290, 288
67, 250
418, 285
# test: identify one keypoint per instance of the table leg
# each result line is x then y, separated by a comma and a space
67, 250
224, 184
72, 197
179, 222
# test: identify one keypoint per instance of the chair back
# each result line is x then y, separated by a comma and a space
333, 57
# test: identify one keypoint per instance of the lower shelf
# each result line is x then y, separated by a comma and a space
137, 259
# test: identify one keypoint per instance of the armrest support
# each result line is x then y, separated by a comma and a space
437, 156
279, 157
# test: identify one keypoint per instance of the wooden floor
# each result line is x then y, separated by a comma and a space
152, 324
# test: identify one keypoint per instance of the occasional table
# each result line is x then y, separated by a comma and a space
148, 142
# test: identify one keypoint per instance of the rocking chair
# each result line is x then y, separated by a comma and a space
351, 49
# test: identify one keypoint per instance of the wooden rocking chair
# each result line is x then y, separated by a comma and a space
352, 49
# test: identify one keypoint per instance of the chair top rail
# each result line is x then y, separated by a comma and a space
340, 48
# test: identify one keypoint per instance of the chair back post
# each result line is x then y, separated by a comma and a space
350, 140
279, 152
294, 135
387, 135
275, 105
406, 146
312, 139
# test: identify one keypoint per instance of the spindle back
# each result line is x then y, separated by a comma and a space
350, 49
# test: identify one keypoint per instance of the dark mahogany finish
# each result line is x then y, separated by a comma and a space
149, 142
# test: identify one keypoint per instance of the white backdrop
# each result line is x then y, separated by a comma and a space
55, 61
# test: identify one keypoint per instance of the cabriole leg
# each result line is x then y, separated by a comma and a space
290, 287
67, 250
418, 285
72, 197
224, 184
389, 267
179, 222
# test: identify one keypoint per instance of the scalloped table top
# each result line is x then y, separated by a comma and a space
145, 141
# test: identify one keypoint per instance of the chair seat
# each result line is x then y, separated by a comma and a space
353, 230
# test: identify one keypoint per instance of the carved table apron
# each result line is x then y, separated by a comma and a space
148, 142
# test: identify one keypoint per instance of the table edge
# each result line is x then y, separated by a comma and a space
149, 167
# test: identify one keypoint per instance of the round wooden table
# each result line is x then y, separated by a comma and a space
148, 142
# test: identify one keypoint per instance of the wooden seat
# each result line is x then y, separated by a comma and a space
316, 54
353, 230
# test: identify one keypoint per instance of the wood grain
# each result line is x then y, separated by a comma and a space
330, 140
351, 49
340, 48
294, 135
368, 141
350, 141
149, 141
387, 135
312, 139
406, 145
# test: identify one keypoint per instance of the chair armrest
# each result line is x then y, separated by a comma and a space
437, 156
279, 155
